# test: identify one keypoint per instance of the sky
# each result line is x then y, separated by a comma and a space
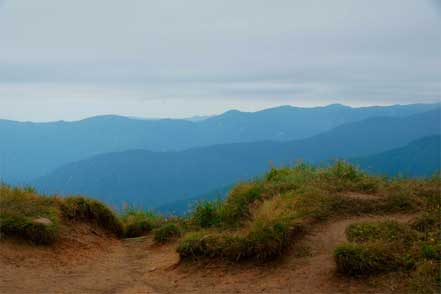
67, 60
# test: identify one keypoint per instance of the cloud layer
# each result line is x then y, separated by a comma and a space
70, 59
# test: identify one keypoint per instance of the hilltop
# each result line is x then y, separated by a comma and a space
296, 229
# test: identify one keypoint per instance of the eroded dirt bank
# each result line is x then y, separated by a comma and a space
99, 264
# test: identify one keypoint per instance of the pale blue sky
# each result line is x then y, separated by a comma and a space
63, 59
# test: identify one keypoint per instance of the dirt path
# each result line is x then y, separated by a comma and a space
138, 266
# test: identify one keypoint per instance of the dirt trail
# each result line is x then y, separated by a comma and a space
138, 266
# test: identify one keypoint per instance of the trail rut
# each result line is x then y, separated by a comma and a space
138, 266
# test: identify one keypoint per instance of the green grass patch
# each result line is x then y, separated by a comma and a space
166, 233
29, 216
256, 219
264, 240
365, 259
25, 215
139, 222
237, 204
414, 248
342, 176
428, 222
427, 278
207, 213
385, 231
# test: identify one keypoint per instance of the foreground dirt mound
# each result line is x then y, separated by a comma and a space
78, 242
87, 260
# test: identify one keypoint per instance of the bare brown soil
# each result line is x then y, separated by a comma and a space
88, 261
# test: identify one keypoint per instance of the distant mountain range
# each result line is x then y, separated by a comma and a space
152, 179
30, 150
419, 158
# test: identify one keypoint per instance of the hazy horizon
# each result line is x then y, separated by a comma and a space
203, 116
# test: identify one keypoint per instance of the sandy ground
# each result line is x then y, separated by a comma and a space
104, 265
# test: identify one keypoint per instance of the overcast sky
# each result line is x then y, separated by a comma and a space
62, 59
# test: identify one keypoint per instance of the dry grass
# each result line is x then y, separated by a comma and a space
29, 216
258, 219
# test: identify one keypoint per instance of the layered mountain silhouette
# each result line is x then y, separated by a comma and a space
30, 150
151, 179
417, 159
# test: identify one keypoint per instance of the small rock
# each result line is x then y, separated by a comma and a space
42, 221
152, 269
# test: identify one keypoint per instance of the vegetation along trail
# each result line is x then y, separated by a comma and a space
137, 265
298, 229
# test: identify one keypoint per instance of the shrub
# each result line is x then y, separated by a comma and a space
206, 213
167, 232
365, 259
81, 208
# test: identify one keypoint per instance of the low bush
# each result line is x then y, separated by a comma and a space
167, 232
82, 208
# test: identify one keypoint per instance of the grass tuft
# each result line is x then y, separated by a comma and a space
21, 212
236, 205
166, 233
82, 208
385, 231
365, 259
207, 213
139, 222
427, 278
